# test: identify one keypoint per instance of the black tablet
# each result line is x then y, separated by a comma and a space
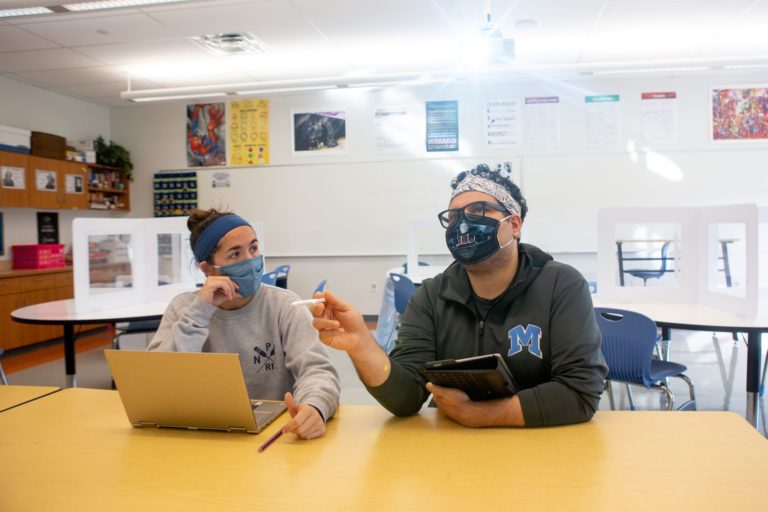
482, 377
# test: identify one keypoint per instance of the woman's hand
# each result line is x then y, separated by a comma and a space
218, 289
306, 423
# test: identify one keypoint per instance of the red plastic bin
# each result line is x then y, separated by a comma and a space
38, 256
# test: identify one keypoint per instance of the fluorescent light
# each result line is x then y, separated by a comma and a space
285, 89
649, 70
114, 4
746, 66
147, 99
24, 11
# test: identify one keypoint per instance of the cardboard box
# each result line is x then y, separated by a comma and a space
14, 137
49, 145
83, 144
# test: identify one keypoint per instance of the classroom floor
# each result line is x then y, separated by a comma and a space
716, 364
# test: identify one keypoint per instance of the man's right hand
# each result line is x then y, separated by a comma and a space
339, 324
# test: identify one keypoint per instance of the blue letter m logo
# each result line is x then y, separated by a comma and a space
530, 337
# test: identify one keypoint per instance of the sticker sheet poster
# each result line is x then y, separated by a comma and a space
249, 132
175, 193
739, 114
206, 135
442, 125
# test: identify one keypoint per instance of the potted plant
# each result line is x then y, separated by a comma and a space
114, 155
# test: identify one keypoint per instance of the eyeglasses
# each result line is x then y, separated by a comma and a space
472, 211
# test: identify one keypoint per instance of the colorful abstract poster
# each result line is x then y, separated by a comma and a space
442, 125
319, 132
206, 135
249, 132
739, 113
175, 193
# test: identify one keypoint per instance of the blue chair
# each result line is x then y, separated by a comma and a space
320, 288
404, 288
629, 340
277, 277
646, 274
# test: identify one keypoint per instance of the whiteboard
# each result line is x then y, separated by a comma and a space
344, 208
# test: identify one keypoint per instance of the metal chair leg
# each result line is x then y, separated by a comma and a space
690, 405
761, 389
670, 395
609, 388
629, 397
3, 378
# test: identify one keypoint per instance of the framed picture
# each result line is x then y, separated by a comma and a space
13, 177
73, 184
45, 180
739, 113
206, 135
319, 132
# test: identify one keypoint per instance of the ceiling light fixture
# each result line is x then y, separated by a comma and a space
277, 86
24, 11
114, 4
649, 70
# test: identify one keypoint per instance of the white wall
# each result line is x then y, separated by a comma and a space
565, 187
31, 108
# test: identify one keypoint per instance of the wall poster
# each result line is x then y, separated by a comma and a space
249, 132
206, 135
175, 193
442, 125
322, 132
739, 113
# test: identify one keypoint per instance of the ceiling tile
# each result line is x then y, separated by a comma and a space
105, 89
210, 17
15, 39
57, 77
102, 30
34, 60
144, 51
344, 11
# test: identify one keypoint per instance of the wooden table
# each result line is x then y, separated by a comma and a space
13, 396
75, 451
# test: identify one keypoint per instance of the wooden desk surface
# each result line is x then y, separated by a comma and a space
11, 396
74, 450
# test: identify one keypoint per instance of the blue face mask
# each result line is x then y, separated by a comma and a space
247, 274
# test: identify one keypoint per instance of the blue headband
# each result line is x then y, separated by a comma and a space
211, 235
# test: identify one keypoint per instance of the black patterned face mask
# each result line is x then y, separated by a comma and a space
472, 241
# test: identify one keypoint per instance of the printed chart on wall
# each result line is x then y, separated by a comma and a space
659, 117
206, 135
175, 193
542, 122
442, 125
739, 114
502, 124
603, 121
249, 132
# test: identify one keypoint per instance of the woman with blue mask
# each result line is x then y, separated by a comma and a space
280, 352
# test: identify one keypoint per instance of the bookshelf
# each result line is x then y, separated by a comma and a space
107, 189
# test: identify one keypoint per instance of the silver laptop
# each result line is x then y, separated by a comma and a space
190, 390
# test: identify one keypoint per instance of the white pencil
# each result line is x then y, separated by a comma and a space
308, 302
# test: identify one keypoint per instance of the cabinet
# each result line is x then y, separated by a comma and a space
19, 288
57, 184
107, 189
45, 183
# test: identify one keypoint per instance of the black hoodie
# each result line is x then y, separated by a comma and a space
543, 325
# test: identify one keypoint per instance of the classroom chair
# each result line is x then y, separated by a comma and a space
3, 378
629, 340
646, 274
135, 327
277, 277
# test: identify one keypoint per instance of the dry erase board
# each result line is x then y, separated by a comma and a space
342, 209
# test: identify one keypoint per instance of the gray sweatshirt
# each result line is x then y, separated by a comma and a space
278, 347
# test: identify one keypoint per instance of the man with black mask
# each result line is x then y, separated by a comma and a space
499, 296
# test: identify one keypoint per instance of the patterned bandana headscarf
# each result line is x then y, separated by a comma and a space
476, 183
